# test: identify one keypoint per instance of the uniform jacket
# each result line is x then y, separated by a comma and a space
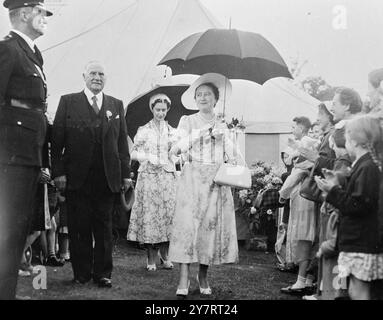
20, 78
22, 131
73, 141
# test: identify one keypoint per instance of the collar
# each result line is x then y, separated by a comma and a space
89, 94
329, 129
362, 158
340, 124
28, 40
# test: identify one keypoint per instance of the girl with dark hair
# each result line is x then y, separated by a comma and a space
153, 208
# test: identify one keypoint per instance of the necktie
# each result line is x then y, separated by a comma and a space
38, 55
94, 105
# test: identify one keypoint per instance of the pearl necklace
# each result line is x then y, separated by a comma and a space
204, 119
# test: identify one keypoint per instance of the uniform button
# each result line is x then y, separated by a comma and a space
35, 75
19, 123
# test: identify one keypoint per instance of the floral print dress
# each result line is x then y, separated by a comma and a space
204, 228
155, 192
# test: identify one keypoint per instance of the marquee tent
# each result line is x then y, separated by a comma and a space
130, 37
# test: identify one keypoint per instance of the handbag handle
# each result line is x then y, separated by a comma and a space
312, 171
235, 147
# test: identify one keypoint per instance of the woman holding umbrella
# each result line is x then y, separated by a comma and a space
204, 229
153, 209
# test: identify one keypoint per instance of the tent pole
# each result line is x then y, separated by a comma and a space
224, 100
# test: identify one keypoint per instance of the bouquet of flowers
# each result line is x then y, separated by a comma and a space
236, 124
263, 177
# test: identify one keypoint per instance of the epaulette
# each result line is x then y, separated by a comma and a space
7, 37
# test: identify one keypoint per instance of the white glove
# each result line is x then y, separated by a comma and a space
153, 159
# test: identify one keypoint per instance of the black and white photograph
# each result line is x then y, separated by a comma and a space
191, 155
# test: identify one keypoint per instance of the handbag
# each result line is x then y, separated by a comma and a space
309, 189
235, 176
127, 198
231, 175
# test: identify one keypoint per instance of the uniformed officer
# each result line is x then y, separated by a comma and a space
23, 93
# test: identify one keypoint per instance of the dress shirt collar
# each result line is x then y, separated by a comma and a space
28, 40
89, 95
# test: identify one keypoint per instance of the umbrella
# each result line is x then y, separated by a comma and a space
138, 112
233, 53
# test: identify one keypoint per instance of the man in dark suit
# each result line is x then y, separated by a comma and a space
23, 93
90, 159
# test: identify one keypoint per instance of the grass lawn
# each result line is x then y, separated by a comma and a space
253, 278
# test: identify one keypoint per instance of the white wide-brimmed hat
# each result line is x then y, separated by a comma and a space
217, 79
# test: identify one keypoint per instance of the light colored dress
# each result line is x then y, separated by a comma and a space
153, 208
363, 266
303, 219
204, 228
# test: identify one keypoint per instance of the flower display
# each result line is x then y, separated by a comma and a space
263, 176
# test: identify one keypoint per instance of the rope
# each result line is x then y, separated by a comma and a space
122, 33
293, 95
91, 29
158, 49
204, 10
58, 63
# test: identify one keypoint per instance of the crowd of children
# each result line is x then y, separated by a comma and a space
336, 240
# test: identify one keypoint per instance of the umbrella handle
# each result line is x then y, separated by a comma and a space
224, 99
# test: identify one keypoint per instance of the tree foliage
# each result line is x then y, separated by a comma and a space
317, 87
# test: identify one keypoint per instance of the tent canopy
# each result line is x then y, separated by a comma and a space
130, 37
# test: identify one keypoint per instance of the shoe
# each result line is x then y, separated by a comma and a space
284, 268
24, 298
150, 267
297, 291
80, 280
104, 283
65, 258
23, 273
311, 297
204, 291
77, 281
167, 264
52, 261
25, 266
310, 290
182, 293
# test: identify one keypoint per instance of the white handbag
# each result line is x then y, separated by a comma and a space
231, 175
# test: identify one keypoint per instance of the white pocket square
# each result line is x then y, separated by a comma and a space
118, 116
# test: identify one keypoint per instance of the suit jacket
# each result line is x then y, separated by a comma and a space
73, 141
22, 131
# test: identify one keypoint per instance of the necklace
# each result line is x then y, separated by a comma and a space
204, 119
